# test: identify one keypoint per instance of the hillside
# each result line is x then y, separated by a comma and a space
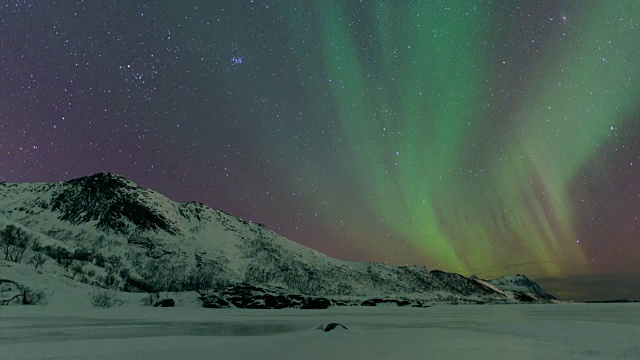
107, 231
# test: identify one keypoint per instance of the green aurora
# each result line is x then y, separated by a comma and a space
416, 110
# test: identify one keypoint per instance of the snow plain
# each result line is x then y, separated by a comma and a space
552, 331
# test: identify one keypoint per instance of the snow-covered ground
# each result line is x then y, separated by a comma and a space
552, 331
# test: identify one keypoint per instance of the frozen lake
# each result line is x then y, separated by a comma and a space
556, 331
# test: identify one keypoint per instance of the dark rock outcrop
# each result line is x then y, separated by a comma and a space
398, 302
331, 327
165, 303
257, 297
107, 198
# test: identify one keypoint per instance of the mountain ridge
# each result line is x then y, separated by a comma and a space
165, 245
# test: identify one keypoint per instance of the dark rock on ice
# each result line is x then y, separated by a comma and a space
165, 303
331, 327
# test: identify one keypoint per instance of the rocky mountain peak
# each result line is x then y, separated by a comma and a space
105, 182
113, 201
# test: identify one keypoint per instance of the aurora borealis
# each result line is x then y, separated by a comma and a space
481, 137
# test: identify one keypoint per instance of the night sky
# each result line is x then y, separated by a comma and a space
480, 137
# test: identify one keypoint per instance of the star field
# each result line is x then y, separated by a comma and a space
481, 137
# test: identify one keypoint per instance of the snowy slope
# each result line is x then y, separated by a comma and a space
146, 241
519, 285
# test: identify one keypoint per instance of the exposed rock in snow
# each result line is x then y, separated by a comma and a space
258, 297
331, 327
396, 302
165, 303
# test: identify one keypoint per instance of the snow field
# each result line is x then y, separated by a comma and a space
552, 331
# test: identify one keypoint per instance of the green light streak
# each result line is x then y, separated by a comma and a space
411, 106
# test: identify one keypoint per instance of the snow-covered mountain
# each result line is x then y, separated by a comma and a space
522, 288
113, 232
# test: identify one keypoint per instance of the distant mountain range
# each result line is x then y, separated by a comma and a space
107, 231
